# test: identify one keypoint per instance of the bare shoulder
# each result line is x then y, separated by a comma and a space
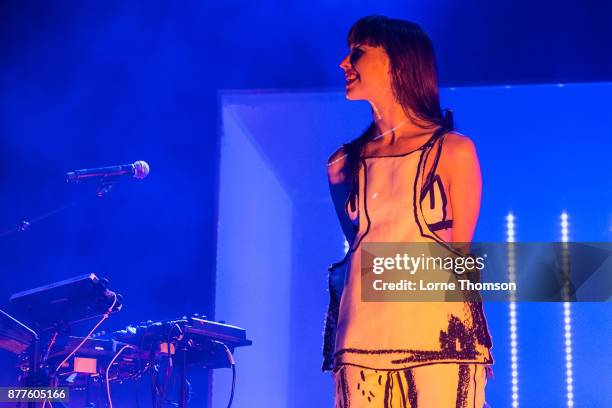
459, 146
458, 155
337, 166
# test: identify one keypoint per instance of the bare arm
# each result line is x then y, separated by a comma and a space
465, 184
338, 175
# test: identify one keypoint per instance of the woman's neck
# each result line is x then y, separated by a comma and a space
393, 116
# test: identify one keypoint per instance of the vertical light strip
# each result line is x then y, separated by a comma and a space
567, 311
511, 238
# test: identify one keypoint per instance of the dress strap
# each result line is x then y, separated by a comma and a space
438, 135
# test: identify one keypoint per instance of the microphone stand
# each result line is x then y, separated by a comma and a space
104, 188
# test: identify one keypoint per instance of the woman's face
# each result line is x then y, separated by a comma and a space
366, 70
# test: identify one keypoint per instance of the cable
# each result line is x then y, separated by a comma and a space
51, 343
104, 317
46, 357
229, 404
230, 358
110, 401
87, 337
169, 363
154, 389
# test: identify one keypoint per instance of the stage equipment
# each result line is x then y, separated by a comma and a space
61, 304
52, 309
153, 347
15, 336
97, 360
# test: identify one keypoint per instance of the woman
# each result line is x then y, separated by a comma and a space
408, 178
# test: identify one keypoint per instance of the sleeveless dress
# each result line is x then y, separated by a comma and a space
397, 202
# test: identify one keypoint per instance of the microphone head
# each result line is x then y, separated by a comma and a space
141, 169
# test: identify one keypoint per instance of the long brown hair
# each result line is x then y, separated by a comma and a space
413, 63
414, 79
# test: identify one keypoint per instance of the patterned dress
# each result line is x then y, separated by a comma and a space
397, 202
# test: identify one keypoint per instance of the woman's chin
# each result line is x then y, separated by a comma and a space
351, 95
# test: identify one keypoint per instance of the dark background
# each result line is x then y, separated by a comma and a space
87, 84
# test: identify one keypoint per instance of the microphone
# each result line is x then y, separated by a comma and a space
138, 170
